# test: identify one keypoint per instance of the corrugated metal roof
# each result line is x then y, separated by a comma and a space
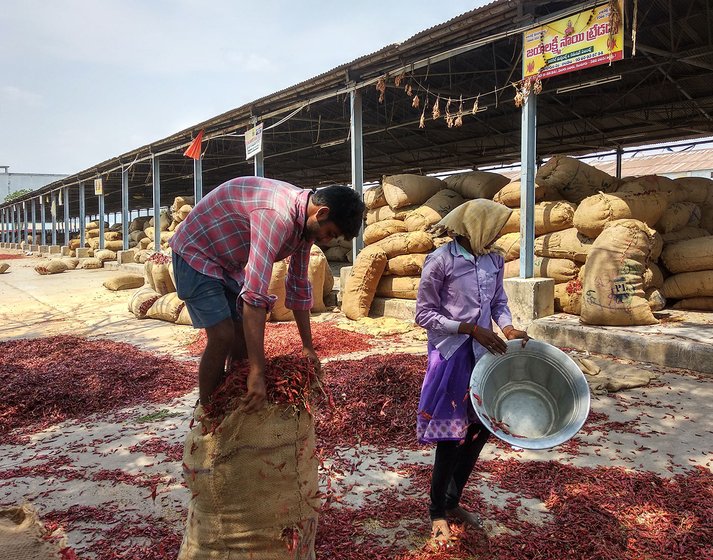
669, 163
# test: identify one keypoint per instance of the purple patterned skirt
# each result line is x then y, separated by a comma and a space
444, 409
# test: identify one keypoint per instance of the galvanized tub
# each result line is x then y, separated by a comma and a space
534, 397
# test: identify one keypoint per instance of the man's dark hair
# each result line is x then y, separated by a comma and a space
346, 209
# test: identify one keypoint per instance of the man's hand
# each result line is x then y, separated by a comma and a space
489, 340
254, 399
511, 333
309, 352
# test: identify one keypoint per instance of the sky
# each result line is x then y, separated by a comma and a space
82, 81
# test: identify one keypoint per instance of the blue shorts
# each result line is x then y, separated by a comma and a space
208, 300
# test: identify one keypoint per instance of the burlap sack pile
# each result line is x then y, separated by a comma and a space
253, 481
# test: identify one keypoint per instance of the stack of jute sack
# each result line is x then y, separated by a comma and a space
400, 214
337, 250
143, 229
57, 265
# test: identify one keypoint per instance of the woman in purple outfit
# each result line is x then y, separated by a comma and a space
460, 295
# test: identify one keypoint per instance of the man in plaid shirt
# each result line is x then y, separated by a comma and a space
222, 259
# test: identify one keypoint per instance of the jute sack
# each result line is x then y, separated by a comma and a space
337, 254
90, 263
141, 256
402, 287
183, 211
596, 211
684, 234
707, 218
441, 240
278, 289
137, 224
655, 299
568, 298
405, 243
184, 317
689, 285
689, 256
95, 225
653, 277
93, 243
509, 195
71, 262
4, 267
74, 244
678, 216
158, 277
137, 235
476, 184
573, 179
374, 198
54, 266
565, 244
91, 233
695, 304
24, 537
112, 236
142, 300
612, 288
560, 270
405, 265
181, 201
124, 282
150, 231
318, 272
254, 485
381, 230
549, 217
144, 242
698, 190
105, 255
508, 246
166, 308
166, 235
387, 213
114, 245
408, 190
651, 183
433, 210
360, 285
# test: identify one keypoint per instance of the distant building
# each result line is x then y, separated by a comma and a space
692, 163
13, 182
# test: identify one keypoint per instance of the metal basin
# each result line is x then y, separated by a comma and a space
534, 397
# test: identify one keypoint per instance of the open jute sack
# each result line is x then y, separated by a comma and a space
568, 297
408, 190
142, 300
22, 536
476, 184
254, 485
360, 285
158, 277
433, 210
612, 288
574, 179
596, 211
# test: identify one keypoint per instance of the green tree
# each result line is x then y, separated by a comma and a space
17, 194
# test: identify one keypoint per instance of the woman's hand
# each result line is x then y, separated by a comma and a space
511, 333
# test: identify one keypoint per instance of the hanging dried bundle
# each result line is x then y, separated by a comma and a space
450, 117
459, 118
436, 109
475, 105
416, 102
409, 90
400, 78
519, 96
381, 88
537, 86
422, 120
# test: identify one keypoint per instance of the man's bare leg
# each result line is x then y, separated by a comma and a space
212, 365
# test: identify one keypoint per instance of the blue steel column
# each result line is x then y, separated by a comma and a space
259, 164
101, 219
357, 159
18, 226
34, 222
527, 186
53, 212
43, 221
619, 153
125, 207
82, 217
24, 221
197, 179
156, 174
67, 226
2, 226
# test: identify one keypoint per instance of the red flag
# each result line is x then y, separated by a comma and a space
194, 150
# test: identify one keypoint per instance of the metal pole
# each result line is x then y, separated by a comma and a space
82, 217
34, 222
43, 221
53, 212
24, 222
156, 174
67, 226
619, 154
125, 207
2, 225
527, 186
101, 219
357, 159
197, 179
259, 162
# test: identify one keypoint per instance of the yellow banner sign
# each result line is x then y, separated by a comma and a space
590, 38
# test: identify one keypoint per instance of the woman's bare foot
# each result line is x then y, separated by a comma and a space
440, 532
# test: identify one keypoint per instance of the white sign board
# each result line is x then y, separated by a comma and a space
253, 141
98, 187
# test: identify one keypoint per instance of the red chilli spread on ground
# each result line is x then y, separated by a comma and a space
10, 257
284, 338
50, 380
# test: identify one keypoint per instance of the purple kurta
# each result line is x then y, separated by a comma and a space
455, 288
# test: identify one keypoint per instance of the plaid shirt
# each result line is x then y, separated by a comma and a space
243, 227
